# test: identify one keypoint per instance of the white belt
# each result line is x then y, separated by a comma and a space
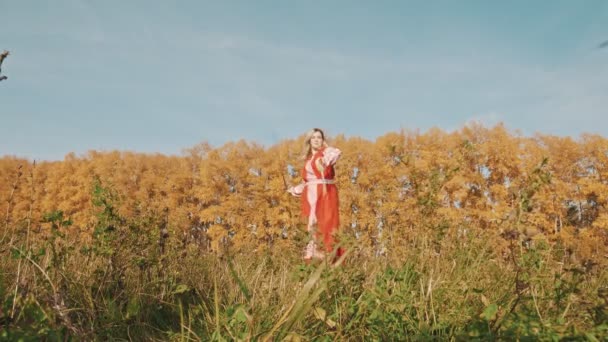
320, 181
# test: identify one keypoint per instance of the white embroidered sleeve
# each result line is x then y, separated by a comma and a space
296, 190
331, 155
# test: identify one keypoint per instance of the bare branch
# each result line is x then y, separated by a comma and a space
3, 55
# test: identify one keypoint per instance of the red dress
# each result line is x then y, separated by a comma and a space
320, 201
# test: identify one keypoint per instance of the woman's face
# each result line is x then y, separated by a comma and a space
316, 141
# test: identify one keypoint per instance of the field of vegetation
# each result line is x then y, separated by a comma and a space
479, 234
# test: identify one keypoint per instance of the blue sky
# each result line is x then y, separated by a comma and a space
161, 76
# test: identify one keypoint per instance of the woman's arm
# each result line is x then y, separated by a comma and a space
331, 155
296, 190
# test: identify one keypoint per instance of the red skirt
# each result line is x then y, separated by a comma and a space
326, 213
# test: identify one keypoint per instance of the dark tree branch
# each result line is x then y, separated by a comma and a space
3, 55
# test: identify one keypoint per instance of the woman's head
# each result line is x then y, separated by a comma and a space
315, 140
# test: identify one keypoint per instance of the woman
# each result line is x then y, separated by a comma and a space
320, 195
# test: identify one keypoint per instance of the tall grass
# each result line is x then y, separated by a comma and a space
131, 281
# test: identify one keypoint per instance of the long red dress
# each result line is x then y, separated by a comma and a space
320, 201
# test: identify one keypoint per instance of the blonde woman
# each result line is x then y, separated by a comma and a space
319, 195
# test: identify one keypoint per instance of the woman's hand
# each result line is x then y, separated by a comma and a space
331, 156
296, 190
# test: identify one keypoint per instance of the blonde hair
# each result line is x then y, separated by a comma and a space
307, 147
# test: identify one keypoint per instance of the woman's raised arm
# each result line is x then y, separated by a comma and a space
331, 155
